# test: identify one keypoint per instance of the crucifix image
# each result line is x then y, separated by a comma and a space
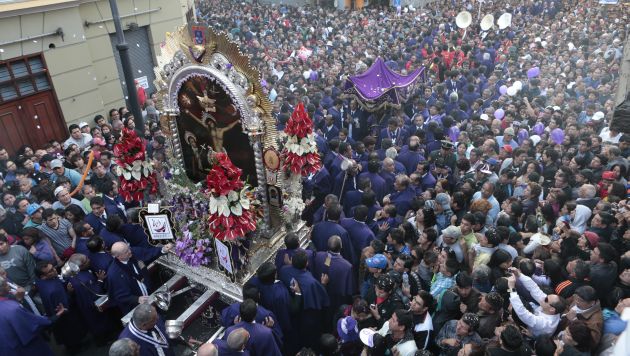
208, 107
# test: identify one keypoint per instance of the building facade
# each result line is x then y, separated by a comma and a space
59, 65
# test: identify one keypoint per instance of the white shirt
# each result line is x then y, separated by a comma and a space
538, 323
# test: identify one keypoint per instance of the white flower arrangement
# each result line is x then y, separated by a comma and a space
233, 203
304, 146
137, 170
293, 208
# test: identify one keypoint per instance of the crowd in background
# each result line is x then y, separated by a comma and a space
468, 221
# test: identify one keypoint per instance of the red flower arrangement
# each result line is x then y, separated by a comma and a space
134, 173
232, 212
300, 151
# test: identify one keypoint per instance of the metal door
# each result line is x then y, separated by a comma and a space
140, 56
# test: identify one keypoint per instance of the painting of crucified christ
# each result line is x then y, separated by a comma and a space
210, 121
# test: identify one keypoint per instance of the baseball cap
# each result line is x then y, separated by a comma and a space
598, 116
608, 175
367, 337
56, 163
385, 282
347, 329
32, 208
484, 117
59, 189
83, 124
507, 148
509, 131
377, 261
542, 239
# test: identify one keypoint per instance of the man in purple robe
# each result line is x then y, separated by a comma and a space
127, 281
320, 213
335, 273
20, 334
261, 339
69, 329
325, 229
292, 244
315, 301
230, 315
403, 196
377, 183
275, 297
234, 345
411, 156
99, 258
354, 197
360, 233
147, 330
87, 288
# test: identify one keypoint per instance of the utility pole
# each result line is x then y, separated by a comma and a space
125, 62
623, 89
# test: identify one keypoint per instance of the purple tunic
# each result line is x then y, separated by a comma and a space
261, 340
324, 230
340, 285
20, 334
146, 347
232, 311
86, 286
276, 298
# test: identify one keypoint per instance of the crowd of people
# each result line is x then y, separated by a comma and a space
469, 221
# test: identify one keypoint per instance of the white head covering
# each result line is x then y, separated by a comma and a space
582, 214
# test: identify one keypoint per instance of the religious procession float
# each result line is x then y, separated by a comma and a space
231, 187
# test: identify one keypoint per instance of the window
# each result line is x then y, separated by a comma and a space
23, 76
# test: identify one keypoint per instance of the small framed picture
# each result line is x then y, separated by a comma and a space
274, 195
158, 226
199, 34
224, 255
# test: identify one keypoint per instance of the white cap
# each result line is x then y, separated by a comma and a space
484, 117
598, 116
367, 337
83, 124
535, 139
59, 189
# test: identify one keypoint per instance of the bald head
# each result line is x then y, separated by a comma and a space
237, 340
80, 260
208, 349
121, 251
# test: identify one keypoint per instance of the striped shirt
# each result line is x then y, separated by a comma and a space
59, 237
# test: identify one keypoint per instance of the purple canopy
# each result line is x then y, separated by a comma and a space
379, 85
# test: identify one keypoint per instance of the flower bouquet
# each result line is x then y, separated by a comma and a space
193, 252
134, 172
232, 204
300, 151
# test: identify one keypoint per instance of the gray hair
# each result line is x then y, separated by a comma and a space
143, 314
481, 273
391, 153
589, 191
124, 347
